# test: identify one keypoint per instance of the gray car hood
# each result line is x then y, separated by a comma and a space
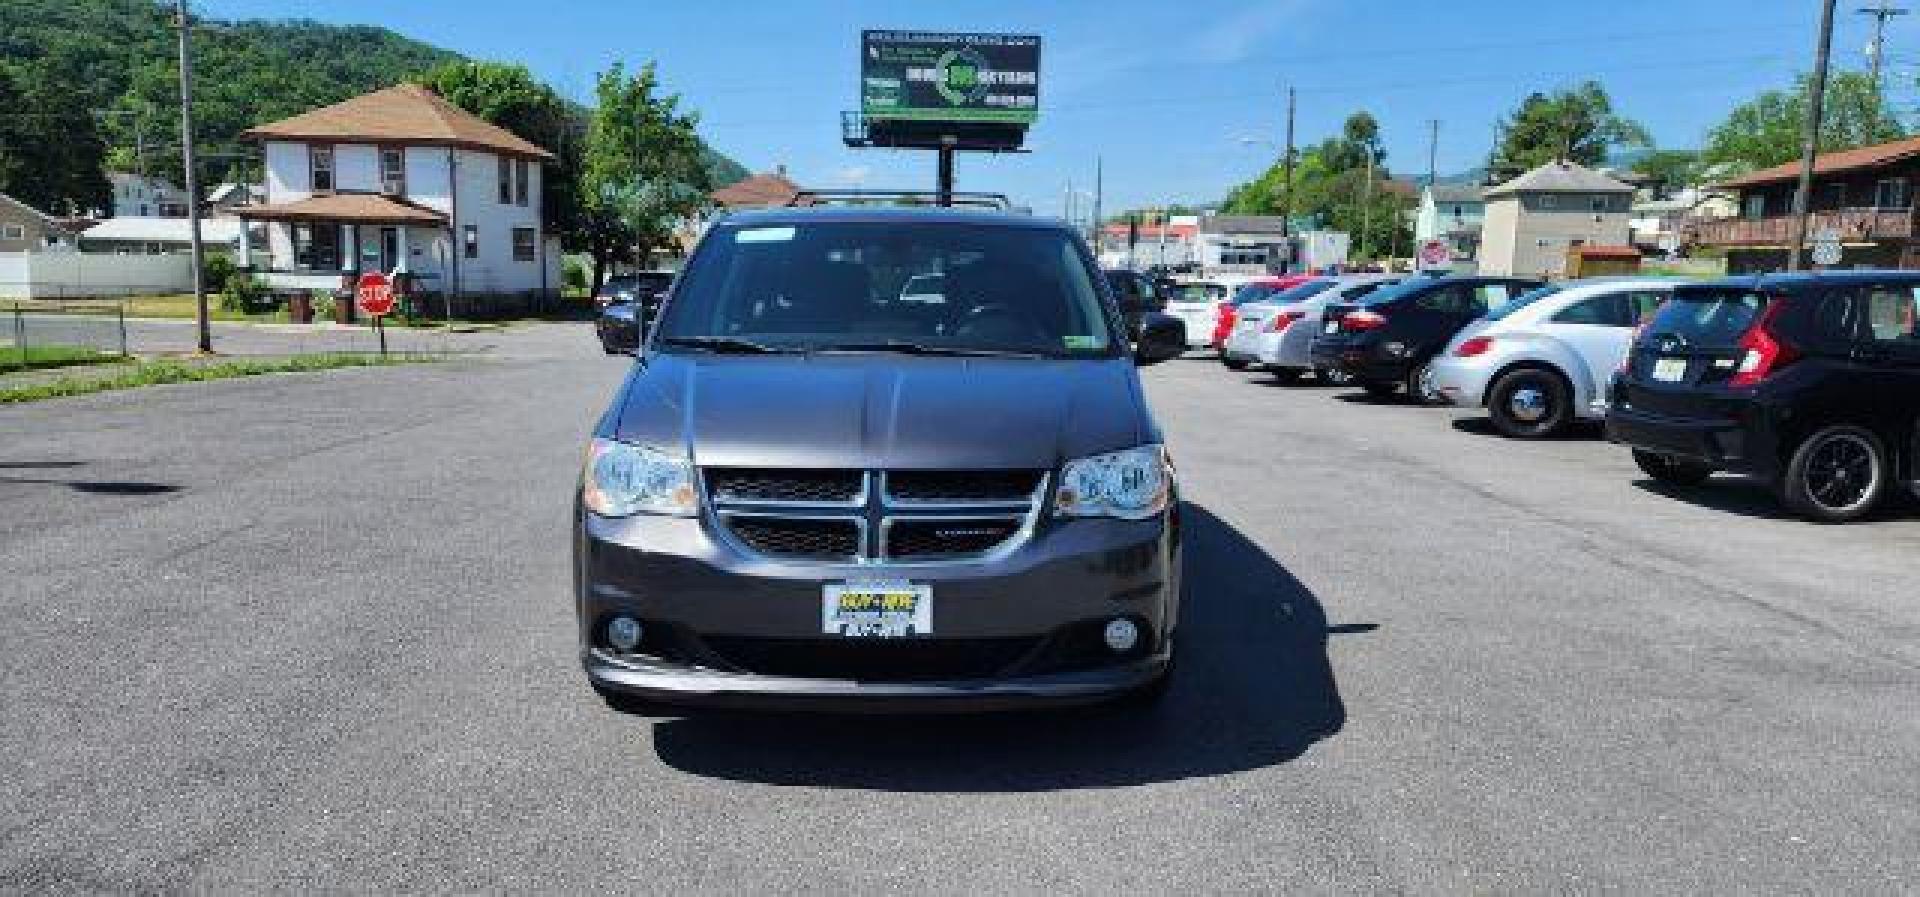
881, 410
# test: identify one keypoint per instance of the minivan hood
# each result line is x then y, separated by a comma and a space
882, 410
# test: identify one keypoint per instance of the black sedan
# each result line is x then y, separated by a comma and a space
1387, 341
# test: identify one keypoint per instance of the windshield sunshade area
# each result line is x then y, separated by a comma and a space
1707, 317
895, 286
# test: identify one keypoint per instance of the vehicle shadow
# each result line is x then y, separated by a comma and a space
1254, 689
1749, 497
99, 487
1580, 430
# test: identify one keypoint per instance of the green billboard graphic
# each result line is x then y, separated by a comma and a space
930, 76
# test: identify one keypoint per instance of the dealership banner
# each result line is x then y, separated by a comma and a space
932, 76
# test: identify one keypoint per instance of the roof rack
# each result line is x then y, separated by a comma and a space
851, 197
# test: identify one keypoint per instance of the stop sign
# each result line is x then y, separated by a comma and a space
1435, 253
375, 294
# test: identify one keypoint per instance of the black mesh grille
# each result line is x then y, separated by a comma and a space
790, 537
823, 486
939, 538
962, 485
874, 660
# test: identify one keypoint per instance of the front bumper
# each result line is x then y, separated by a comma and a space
732, 629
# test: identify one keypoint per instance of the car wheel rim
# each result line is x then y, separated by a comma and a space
1424, 383
1841, 472
1528, 404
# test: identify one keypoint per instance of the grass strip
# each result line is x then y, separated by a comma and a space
51, 356
154, 373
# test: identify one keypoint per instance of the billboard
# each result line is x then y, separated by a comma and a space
930, 76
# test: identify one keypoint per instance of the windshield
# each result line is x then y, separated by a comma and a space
1706, 317
877, 286
1408, 287
1523, 300
1198, 292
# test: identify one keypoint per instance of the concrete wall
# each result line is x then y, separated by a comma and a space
57, 275
1521, 238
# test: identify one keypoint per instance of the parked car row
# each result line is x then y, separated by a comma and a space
1807, 382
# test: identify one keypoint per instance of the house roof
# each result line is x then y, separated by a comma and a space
49, 220
760, 190
1876, 156
1560, 177
349, 208
231, 190
1455, 193
403, 113
1243, 224
163, 230
119, 178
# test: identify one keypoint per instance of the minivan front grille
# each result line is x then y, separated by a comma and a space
911, 516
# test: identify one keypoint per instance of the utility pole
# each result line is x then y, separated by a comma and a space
1877, 50
1433, 152
1810, 138
1098, 182
200, 315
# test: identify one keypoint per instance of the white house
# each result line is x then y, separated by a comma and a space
402, 181
1534, 220
1452, 213
140, 196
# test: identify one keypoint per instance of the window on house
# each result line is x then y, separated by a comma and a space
506, 180
13, 232
1597, 203
1832, 197
470, 241
523, 240
1893, 193
316, 247
320, 164
520, 182
1754, 207
393, 170
1549, 201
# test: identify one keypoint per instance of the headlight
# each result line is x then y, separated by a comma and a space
1131, 485
622, 480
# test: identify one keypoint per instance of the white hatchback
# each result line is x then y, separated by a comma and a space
1197, 304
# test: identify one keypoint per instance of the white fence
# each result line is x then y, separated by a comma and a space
71, 275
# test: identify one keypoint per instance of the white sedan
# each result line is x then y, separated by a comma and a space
1277, 334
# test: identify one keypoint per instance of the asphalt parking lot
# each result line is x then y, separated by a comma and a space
314, 631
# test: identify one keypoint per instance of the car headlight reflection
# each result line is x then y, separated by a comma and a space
1132, 485
622, 480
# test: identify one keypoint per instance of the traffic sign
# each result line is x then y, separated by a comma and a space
1826, 248
1435, 254
374, 294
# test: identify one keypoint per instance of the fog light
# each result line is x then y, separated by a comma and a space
623, 633
1121, 636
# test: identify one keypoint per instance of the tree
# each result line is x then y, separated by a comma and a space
1576, 124
1671, 170
51, 154
509, 96
1330, 188
643, 170
1766, 130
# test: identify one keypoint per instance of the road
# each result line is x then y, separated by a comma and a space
313, 631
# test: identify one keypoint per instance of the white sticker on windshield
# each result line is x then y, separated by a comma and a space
763, 235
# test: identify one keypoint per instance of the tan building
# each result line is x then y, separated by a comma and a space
1534, 220
24, 228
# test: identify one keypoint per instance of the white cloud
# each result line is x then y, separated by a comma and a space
1237, 36
852, 175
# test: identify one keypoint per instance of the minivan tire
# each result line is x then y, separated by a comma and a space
1821, 482
1671, 471
1554, 398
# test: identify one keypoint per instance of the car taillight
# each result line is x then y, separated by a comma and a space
1476, 346
1283, 320
1363, 320
1764, 353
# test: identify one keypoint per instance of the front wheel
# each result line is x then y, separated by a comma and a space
1836, 475
1671, 471
1529, 404
1420, 386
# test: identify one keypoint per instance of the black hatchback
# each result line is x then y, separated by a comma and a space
1388, 341
1808, 382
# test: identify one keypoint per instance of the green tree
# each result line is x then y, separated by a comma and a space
1330, 189
1576, 124
51, 154
643, 172
1671, 170
509, 96
1766, 130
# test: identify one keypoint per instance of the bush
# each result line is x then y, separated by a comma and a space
216, 270
322, 301
573, 274
245, 294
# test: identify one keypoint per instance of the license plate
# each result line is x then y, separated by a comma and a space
1670, 370
877, 609
1331, 327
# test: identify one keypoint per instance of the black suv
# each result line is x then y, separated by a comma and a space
1387, 341
1809, 382
882, 457
1138, 296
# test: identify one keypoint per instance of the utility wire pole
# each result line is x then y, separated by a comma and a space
1433, 152
1286, 169
1877, 50
1098, 188
205, 326
1810, 137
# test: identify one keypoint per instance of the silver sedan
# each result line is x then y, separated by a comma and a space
1278, 335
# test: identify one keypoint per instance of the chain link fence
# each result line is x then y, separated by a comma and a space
42, 332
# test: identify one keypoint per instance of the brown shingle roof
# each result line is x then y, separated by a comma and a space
757, 191
403, 113
1829, 163
356, 208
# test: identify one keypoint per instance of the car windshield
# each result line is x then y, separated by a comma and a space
910, 286
1198, 292
1523, 300
1706, 317
1408, 287
1253, 292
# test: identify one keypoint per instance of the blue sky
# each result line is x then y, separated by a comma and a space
1164, 91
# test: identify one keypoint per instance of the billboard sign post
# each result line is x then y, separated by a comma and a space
947, 92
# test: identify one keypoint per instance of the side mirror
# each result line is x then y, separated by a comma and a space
1162, 338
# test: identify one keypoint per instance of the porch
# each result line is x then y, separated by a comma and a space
315, 243
1852, 225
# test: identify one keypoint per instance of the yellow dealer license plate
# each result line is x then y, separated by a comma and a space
886, 609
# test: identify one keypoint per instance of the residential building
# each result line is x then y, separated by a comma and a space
162, 236
228, 198
1169, 242
402, 181
1533, 221
1451, 213
140, 196
1862, 197
24, 228
771, 189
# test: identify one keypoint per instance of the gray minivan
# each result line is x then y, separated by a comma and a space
811, 491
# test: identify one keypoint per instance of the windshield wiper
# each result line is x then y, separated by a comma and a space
724, 345
910, 348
